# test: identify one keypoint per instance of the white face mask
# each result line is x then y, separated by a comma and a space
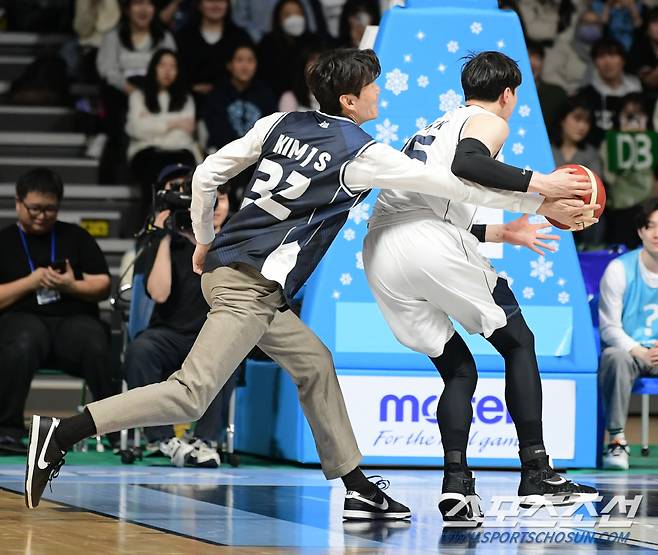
294, 25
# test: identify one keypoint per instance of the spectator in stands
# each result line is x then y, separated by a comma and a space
355, 17
122, 61
288, 37
544, 19
52, 275
628, 187
621, 18
629, 334
608, 86
180, 311
161, 122
256, 16
569, 145
551, 97
300, 98
206, 43
643, 58
568, 63
237, 103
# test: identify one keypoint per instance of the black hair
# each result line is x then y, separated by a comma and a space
607, 45
634, 98
537, 48
570, 105
40, 180
241, 44
487, 74
277, 30
647, 208
156, 30
341, 71
352, 7
651, 16
177, 91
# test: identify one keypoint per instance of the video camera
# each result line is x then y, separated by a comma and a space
173, 191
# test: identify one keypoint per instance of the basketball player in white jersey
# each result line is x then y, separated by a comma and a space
422, 262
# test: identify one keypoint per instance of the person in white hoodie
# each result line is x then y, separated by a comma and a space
161, 122
608, 86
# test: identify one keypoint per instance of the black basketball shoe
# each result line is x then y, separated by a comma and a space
44, 458
378, 505
459, 504
541, 485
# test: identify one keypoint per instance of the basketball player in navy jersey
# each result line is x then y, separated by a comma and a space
422, 263
312, 167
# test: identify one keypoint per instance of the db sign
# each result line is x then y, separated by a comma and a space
634, 151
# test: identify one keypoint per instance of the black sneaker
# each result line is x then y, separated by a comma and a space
459, 504
541, 485
378, 505
44, 458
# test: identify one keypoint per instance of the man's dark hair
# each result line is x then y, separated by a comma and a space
40, 180
338, 72
486, 75
535, 47
647, 208
608, 46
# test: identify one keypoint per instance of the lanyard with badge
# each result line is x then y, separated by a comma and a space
44, 295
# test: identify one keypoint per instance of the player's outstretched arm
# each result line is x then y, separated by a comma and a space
484, 135
517, 232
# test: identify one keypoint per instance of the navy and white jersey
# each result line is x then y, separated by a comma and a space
311, 168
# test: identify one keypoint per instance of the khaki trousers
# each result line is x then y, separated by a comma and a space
243, 313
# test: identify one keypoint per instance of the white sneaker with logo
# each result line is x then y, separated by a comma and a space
616, 456
177, 450
204, 455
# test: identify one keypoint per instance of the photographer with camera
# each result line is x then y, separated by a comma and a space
52, 275
179, 312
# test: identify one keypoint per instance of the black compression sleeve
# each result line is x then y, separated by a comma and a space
480, 231
473, 161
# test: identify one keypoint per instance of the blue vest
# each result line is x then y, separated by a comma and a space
296, 201
640, 314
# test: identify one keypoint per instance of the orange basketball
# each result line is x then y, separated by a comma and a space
597, 196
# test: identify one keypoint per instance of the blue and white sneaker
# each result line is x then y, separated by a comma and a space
376, 506
44, 458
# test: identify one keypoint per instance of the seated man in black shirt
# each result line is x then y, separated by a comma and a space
179, 313
52, 275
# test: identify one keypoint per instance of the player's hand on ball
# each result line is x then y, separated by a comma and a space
562, 183
569, 211
199, 257
522, 232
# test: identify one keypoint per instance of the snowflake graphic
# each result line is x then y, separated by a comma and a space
359, 260
359, 213
476, 27
554, 245
346, 279
501, 43
563, 297
528, 292
336, 294
449, 101
387, 131
423, 81
420, 35
384, 103
541, 269
527, 167
518, 148
420, 123
537, 219
517, 247
509, 279
442, 68
349, 234
396, 81
522, 132
561, 282
524, 110
452, 46
407, 58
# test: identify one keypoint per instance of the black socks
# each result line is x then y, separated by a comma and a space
455, 461
74, 429
533, 457
356, 481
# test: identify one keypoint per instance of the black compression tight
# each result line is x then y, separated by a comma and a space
523, 395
